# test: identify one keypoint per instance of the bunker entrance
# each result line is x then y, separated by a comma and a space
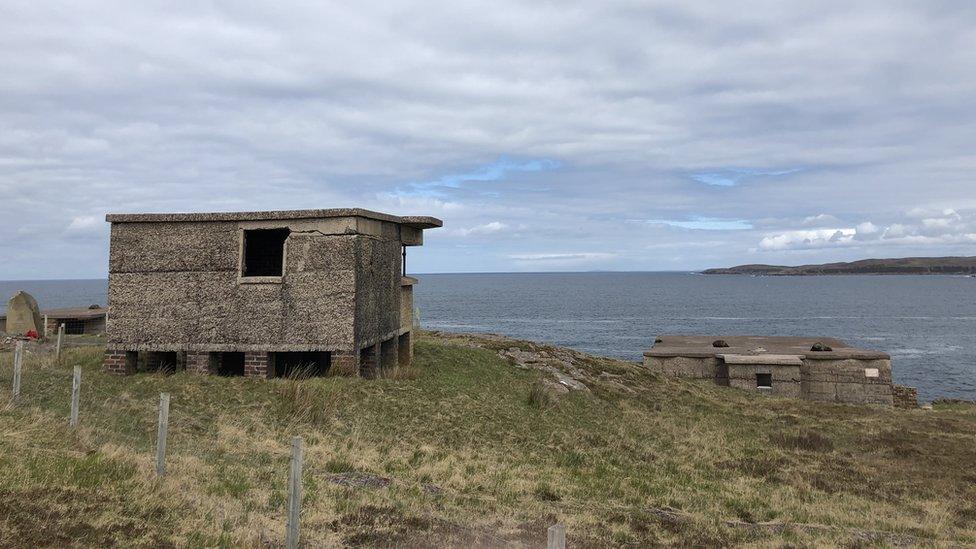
227, 364
264, 252
300, 364
764, 381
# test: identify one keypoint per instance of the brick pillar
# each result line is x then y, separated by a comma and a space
344, 363
369, 361
198, 362
120, 362
388, 355
256, 364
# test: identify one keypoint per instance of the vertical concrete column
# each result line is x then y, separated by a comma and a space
369, 361
405, 350
256, 364
388, 354
120, 362
198, 362
344, 363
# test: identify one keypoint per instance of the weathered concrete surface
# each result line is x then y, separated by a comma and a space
176, 283
843, 374
23, 315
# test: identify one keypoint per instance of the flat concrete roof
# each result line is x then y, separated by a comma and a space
416, 221
700, 346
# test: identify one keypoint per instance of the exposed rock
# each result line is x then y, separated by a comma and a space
23, 315
819, 347
720, 343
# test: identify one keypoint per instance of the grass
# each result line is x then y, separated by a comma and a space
476, 453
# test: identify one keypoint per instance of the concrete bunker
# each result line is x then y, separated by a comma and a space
781, 366
262, 294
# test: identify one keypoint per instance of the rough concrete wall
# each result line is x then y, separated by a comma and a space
175, 286
377, 289
846, 381
688, 367
786, 379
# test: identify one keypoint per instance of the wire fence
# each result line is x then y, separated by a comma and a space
56, 381
48, 389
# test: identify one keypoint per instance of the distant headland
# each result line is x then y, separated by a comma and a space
906, 265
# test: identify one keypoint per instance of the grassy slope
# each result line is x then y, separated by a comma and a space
472, 461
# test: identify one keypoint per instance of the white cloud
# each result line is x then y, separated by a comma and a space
486, 228
563, 257
954, 228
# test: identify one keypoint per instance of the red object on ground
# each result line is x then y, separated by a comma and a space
31, 334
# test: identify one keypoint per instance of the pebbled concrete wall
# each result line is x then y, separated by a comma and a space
176, 286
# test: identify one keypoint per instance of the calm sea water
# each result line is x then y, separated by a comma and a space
926, 323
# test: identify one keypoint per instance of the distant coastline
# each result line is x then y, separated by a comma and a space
900, 266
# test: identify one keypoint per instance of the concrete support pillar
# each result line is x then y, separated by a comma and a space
344, 363
120, 362
198, 362
256, 364
405, 350
388, 355
369, 361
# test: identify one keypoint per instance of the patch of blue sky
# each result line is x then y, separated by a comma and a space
495, 171
730, 177
705, 224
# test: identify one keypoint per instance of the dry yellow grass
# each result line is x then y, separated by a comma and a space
459, 452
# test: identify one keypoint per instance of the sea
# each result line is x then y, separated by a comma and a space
926, 323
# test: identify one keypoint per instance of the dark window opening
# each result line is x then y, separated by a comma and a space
264, 252
764, 381
300, 364
73, 326
227, 364
158, 361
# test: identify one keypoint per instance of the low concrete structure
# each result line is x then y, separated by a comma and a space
76, 320
782, 366
261, 293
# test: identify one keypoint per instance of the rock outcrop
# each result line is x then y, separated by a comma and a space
23, 315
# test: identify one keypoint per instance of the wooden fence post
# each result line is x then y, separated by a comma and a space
57, 353
557, 536
161, 434
294, 493
75, 393
18, 366
45, 327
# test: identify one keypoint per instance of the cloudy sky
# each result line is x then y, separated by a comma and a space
549, 136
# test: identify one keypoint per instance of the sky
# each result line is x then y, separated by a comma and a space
549, 136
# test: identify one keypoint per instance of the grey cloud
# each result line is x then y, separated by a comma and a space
116, 106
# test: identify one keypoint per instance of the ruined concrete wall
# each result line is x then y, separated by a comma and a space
785, 379
688, 367
175, 286
847, 381
378, 274
904, 397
